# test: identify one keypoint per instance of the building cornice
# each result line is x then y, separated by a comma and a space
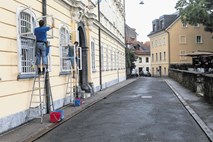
109, 32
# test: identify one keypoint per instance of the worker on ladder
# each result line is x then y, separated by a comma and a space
41, 46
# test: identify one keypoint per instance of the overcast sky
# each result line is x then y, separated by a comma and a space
140, 16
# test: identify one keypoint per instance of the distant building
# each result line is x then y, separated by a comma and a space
170, 39
143, 62
131, 35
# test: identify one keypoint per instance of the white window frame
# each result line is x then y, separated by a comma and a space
115, 60
49, 22
107, 59
65, 63
111, 56
93, 55
196, 39
26, 53
102, 57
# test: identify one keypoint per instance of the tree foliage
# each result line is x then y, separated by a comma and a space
130, 58
197, 12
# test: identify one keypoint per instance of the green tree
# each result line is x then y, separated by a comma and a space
197, 12
130, 59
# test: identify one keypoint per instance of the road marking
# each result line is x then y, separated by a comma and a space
146, 97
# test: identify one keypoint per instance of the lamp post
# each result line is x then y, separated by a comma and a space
141, 2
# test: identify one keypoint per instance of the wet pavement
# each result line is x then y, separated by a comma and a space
145, 110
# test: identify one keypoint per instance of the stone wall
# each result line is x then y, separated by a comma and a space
185, 78
196, 82
208, 87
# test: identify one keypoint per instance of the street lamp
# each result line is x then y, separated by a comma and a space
141, 2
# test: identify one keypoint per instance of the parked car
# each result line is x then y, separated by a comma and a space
145, 73
134, 73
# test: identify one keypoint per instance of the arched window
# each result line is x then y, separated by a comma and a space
64, 39
26, 22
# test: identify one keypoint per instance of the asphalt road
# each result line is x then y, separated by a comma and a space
144, 111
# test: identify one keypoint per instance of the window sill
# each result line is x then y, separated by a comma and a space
25, 76
64, 73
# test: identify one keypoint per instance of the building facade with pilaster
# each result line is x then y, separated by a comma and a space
101, 41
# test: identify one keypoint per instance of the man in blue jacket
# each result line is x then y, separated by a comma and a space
41, 45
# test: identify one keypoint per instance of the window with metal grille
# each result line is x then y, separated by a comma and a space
107, 59
102, 57
111, 56
26, 22
115, 60
65, 48
93, 55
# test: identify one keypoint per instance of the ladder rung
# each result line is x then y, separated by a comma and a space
37, 102
39, 95
37, 88
40, 81
35, 117
37, 108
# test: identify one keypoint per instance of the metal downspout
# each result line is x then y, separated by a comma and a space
47, 83
125, 35
168, 48
99, 40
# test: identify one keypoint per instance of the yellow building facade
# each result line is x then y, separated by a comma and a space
74, 21
172, 39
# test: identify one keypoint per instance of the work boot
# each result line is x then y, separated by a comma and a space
39, 71
73, 75
43, 71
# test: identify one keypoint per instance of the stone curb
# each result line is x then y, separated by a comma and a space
194, 115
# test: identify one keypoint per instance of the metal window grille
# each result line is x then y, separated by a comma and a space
115, 60
93, 55
107, 59
111, 58
64, 48
118, 67
102, 58
26, 41
27, 55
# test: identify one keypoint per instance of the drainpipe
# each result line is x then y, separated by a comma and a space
47, 83
99, 38
44, 9
125, 34
169, 60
